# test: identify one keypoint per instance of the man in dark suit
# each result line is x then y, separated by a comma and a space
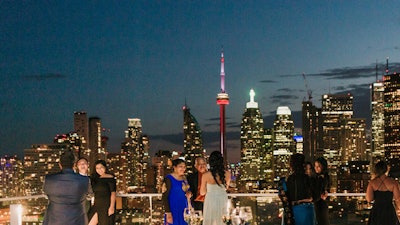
66, 192
194, 181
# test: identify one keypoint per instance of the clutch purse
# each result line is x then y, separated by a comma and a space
199, 198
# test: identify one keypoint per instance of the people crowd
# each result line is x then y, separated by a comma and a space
70, 193
91, 200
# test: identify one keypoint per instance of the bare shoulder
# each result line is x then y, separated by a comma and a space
227, 173
106, 175
394, 183
207, 174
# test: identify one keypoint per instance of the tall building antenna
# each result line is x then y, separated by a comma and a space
387, 65
222, 100
376, 71
222, 71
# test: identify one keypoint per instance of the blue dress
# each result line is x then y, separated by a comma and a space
177, 200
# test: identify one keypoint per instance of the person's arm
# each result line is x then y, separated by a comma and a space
370, 193
203, 187
165, 201
227, 178
111, 209
396, 194
113, 189
90, 193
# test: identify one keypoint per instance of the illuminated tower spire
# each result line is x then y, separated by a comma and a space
222, 73
222, 100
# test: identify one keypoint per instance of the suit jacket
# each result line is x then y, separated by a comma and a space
193, 180
66, 192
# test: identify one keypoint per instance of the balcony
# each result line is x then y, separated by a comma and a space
135, 209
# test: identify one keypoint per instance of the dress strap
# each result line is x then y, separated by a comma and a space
382, 182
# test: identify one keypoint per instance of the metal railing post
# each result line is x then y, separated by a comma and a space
15, 214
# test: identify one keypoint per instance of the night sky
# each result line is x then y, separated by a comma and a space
144, 59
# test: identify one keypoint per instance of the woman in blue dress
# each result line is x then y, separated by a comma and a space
176, 194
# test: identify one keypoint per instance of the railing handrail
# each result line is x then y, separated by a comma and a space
159, 195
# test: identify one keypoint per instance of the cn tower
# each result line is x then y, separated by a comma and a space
222, 100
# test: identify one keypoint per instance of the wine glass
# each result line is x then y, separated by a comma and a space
197, 217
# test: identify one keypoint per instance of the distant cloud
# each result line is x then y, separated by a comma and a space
45, 76
357, 72
210, 124
233, 125
285, 89
283, 99
267, 81
353, 72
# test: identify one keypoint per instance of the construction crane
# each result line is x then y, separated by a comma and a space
309, 92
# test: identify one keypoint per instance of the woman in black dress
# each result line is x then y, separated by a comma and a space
104, 188
383, 190
322, 186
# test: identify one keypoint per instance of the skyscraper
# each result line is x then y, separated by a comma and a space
97, 151
392, 115
335, 108
283, 142
72, 141
353, 147
378, 120
311, 131
40, 160
222, 100
81, 127
136, 149
11, 177
192, 141
252, 149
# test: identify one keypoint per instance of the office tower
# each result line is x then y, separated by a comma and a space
81, 127
40, 160
335, 109
354, 177
136, 148
222, 100
392, 116
72, 141
12, 177
268, 158
162, 166
353, 141
378, 121
298, 142
252, 150
283, 143
192, 141
311, 131
95, 141
116, 162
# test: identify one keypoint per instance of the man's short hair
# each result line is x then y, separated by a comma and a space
67, 159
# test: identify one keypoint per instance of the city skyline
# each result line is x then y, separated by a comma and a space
146, 59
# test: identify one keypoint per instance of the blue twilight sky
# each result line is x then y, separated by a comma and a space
144, 59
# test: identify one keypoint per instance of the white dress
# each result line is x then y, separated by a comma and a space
215, 205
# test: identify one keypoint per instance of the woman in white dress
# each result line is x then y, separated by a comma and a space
213, 185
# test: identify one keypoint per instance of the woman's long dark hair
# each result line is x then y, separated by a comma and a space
380, 168
217, 167
297, 162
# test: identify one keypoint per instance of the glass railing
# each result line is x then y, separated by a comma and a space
135, 209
